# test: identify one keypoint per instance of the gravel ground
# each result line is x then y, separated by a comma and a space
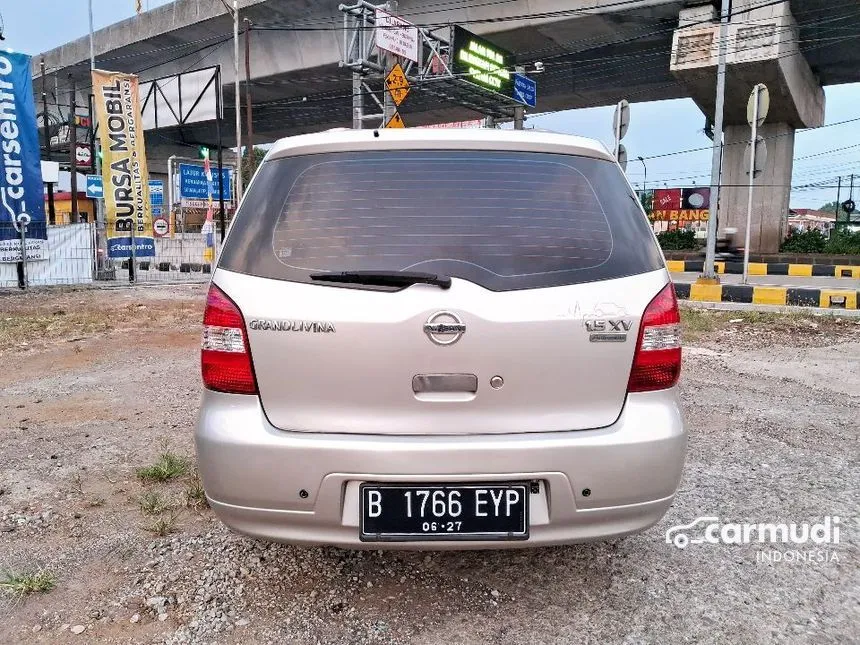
107, 380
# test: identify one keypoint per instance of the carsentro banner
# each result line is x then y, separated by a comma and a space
124, 171
21, 191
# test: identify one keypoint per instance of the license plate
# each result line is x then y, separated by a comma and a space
404, 512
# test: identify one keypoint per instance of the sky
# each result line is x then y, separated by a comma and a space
817, 158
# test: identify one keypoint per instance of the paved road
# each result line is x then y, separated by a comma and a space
778, 280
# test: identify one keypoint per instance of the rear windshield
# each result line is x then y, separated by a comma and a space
503, 220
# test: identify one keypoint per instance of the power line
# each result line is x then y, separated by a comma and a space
737, 143
600, 64
561, 13
597, 72
600, 61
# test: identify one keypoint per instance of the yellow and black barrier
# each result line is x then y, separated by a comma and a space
769, 268
763, 295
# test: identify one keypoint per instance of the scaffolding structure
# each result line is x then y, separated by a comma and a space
433, 73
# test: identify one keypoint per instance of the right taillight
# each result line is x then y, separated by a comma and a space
657, 362
226, 356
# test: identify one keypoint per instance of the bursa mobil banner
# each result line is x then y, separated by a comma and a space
124, 172
22, 202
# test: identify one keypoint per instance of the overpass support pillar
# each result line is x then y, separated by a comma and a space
772, 191
762, 47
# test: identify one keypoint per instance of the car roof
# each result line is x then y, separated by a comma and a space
344, 140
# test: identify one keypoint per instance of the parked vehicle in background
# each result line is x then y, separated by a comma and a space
440, 339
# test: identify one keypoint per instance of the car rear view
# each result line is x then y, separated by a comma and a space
440, 339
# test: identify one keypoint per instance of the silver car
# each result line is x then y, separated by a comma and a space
440, 339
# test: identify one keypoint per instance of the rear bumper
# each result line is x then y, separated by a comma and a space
303, 487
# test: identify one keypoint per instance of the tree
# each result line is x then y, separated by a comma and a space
259, 153
829, 207
647, 200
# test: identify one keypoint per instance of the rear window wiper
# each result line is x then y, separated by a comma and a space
384, 278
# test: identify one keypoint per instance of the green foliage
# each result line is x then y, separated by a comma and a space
259, 154
163, 525
844, 243
678, 240
168, 466
830, 207
195, 495
152, 503
811, 241
647, 201
23, 583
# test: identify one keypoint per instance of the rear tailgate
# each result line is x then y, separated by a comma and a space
552, 264
561, 364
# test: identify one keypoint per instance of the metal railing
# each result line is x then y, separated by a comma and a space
75, 254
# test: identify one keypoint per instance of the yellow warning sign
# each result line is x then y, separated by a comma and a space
397, 84
395, 122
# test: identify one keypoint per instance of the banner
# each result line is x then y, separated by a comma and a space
676, 215
666, 199
208, 229
680, 205
124, 172
21, 192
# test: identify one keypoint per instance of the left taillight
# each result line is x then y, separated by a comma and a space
226, 356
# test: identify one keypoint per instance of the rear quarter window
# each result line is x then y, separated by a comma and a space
503, 220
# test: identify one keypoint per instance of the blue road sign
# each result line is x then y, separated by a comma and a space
156, 193
193, 184
95, 187
525, 90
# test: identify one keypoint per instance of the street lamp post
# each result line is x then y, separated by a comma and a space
645, 178
99, 207
234, 12
238, 104
708, 274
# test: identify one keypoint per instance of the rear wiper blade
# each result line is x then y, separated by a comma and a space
384, 278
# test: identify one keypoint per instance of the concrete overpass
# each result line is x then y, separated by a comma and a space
595, 52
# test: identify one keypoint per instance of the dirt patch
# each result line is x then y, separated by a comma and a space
107, 386
755, 329
39, 318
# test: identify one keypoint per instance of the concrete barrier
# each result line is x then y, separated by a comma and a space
769, 268
763, 295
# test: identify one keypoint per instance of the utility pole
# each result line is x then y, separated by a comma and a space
73, 164
218, 116
519, 117
238, 101
756, 113
92, 46
388, 59
248, 115
357, 101
52, 215
97, 163
519, 111
838, 197
360, 23
708, 273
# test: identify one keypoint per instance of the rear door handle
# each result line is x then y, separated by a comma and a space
444, 383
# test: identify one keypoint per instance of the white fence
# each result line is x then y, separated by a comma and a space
74, 257
71, 259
